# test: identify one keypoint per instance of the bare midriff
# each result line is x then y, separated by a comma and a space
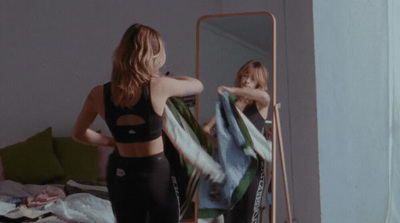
141, 149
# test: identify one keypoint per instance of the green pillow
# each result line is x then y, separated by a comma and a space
80, 161
32, 161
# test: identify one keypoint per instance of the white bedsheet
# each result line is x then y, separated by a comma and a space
79, 207
82, 207
10, 189
6, 207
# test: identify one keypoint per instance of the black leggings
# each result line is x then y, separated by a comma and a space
248, 209
143, 190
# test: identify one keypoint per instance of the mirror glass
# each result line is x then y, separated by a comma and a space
226, 42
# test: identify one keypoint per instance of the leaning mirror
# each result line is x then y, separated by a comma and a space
224, 43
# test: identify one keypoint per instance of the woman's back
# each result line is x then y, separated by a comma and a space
134, 128
139, 179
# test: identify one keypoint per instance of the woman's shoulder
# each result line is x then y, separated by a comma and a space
97, 91
160, 79
160, 82
99, 88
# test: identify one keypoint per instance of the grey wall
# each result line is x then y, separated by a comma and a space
297, 95
53, 52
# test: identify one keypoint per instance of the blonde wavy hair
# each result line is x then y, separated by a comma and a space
137, 59
257, 71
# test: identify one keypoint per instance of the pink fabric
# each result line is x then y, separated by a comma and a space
45, 196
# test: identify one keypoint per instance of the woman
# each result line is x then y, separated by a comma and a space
253, 100
132, 105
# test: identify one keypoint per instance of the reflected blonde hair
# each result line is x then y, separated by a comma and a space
257, 71
137, 59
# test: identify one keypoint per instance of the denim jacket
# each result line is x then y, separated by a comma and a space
237, 158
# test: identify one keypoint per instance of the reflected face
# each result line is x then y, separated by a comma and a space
225, 43
248, 82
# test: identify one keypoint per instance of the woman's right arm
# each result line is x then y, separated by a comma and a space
163, 88
183, 86
177, 86
82, 132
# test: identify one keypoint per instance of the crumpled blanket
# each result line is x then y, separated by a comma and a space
82, 208
45, 196
6, 207
79, 207
24, 214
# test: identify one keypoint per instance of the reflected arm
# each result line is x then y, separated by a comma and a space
261, 96
209, 125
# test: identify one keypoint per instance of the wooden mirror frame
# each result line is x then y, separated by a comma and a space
273, 92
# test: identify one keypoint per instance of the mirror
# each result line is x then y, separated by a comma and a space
224, 43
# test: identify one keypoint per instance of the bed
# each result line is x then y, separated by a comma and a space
53, 179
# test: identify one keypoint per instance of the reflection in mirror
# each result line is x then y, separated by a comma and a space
225, 43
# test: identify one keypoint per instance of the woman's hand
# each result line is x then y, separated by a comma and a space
208, 130
221, 89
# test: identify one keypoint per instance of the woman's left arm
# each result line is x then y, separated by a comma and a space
261, 96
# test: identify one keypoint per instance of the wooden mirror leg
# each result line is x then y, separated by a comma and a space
273, 184
283, 164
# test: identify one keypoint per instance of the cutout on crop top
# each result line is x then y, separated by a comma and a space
139, 123
130, 120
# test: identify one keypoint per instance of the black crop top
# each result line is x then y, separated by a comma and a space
254, 116
151, 129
